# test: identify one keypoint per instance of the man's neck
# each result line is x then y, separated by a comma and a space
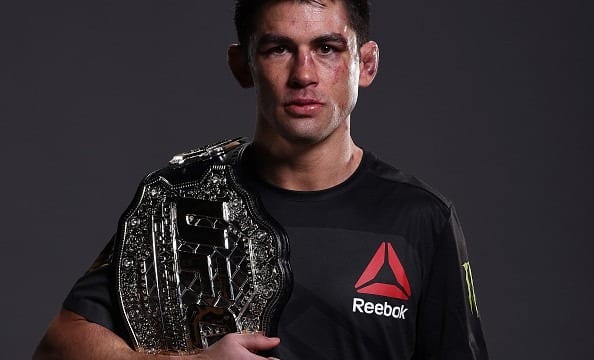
307, 167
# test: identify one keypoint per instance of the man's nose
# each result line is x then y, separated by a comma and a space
303, 72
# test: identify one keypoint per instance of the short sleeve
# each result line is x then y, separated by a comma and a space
449, 326
92, 295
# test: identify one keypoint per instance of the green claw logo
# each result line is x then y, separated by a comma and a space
470, 289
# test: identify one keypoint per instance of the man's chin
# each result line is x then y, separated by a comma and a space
309, 137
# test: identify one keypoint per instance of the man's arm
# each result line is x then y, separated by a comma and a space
71, 336
449, 326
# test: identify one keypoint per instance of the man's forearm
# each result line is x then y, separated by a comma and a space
71, 337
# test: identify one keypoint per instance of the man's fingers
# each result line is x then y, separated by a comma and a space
240, 347
256, 341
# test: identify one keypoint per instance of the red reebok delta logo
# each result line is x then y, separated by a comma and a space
365, 284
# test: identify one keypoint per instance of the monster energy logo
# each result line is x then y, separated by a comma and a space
470, 288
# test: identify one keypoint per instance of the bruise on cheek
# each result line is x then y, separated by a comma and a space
343, 68
338, 70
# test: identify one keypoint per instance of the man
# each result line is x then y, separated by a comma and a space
379, 261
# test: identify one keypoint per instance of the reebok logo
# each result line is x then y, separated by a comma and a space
385, 309
399, 290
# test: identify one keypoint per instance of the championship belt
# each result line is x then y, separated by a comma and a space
197, 257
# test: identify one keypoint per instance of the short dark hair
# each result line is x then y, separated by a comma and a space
247, 11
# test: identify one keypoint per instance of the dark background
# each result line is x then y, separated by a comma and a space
486, 100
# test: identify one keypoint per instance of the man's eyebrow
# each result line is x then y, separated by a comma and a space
272, 39
334, 37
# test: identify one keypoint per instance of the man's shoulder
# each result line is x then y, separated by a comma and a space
404, 184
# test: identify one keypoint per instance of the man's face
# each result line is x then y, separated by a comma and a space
305, 66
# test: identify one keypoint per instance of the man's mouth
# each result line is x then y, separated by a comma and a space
303, 107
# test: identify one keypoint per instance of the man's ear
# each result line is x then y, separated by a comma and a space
368, 62
239, 65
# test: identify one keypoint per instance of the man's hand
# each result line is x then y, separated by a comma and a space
240, 347
71, 336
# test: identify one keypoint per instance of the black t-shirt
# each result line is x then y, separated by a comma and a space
380, 272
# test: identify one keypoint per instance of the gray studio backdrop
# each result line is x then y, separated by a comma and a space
485, 100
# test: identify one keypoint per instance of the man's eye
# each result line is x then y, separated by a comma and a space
277, 50
326, 49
